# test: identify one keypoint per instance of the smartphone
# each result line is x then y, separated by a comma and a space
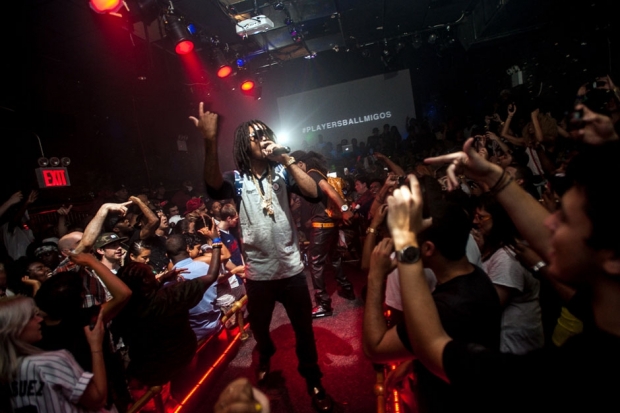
90, 315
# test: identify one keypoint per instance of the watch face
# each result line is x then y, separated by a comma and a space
409, 255
344, 208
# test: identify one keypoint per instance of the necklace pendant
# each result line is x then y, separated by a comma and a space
270, 210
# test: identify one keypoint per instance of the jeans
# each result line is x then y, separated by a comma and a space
323, 250
294, 295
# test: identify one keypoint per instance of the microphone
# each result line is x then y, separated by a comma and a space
281, 150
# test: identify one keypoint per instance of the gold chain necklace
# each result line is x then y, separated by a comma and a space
266, 200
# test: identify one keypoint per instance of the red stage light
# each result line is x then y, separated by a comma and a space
184, 47
224, 71
106, 6
247, 85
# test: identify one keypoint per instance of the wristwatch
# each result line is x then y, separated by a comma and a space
408, 255
344, 208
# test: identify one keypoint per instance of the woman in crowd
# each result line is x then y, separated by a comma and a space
47, 381
518, 290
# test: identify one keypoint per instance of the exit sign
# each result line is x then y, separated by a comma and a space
52, 177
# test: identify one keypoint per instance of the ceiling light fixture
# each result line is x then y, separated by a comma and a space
179, 34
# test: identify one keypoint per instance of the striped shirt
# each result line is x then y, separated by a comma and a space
49, 382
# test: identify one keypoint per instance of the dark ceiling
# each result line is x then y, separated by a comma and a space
73, 76
68, 37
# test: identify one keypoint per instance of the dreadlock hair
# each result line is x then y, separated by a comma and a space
242, 147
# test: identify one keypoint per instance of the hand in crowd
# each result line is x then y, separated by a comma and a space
64, 211
391, 180
405, 213
241, 397
467, 162
593, 128
212, 233
395, 377
478, 238
381, 260
549, 199
526, 256
82, 258
31, 282
15, 198
347, 217
206, 122
379, 216
32, 197
118, 208
512, 108
95, 335
171, 275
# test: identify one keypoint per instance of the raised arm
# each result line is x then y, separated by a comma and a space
381, 344
13, 199
152, 220
512, 108
117, 288
93, 229
426, 334
537, 129
63, 212
390, 182
392, 166
526, 212
96, 392
370, 240
206, 122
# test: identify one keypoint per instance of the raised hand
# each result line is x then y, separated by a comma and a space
381, 260
405, 213
64, 211
206, 122
469, 163
595, 128
32, 197
15, 198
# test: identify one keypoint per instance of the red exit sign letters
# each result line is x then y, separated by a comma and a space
52, 177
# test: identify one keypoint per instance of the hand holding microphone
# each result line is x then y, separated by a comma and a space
272, 149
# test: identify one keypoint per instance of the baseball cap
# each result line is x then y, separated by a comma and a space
108, 238
192, 205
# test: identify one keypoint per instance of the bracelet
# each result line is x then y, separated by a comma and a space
501, 178
371, 230
217, 240
97, 351
504, 185
216, 245
539, 265
290, 161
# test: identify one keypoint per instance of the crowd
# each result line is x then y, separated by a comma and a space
492, 246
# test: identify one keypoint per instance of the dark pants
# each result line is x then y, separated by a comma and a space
293, 294
324, 250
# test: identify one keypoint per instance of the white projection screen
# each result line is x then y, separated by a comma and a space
347, 110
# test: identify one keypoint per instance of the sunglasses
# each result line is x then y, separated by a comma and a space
259, 135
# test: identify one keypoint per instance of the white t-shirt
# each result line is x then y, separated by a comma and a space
521, 319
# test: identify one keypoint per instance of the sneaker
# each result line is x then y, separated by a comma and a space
322, 310
347, 294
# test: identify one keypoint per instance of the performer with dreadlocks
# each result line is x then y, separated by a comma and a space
274, 270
